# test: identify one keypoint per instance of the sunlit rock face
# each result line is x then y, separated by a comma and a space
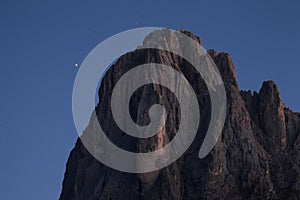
256, 157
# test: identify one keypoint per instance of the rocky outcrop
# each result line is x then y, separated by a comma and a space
256, 157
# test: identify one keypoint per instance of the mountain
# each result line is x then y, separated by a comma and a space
256, 157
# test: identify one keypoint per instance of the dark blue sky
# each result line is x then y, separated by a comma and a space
42, 40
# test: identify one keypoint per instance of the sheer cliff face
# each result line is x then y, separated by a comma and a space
256, 157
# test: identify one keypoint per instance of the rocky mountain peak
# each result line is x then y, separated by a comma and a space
226, 67
270, 92
256, 157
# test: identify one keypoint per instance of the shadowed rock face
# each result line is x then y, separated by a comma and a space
256, 157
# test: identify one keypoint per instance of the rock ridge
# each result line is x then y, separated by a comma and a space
256, 157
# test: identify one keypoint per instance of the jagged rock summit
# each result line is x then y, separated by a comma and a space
256, 157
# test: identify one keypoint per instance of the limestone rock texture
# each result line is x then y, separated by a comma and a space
256, 157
